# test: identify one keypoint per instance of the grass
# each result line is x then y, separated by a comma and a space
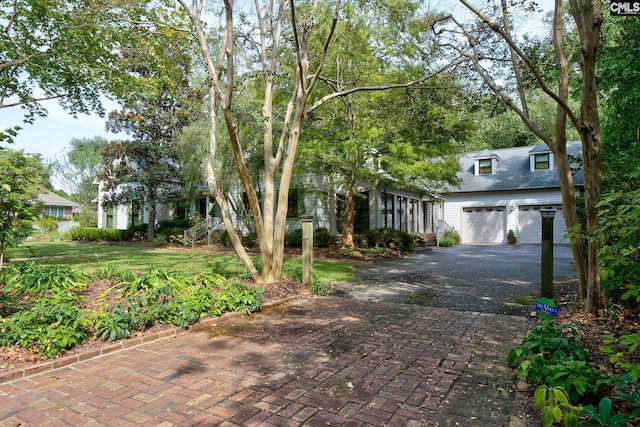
48, 249
90, 257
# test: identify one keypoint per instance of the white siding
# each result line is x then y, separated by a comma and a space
511, 200
530, 224
122, 217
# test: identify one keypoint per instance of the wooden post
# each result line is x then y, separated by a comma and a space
547, 252
307, 249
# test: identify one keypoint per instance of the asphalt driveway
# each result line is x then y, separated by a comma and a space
483, 278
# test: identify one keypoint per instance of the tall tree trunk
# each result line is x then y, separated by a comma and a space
588, 18
348, 222
559, 148
152, 223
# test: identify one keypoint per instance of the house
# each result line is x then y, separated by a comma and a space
504, 190
56, 206
407, 210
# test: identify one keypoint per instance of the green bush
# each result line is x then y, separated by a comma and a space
293, 239
167, 232
619, 256
114, 325
88, 216
250, 241
449, 238
322, 238
138, 231
51, 325
47, 224
28, 278
91, 234
385, 238
453, 235
175, 223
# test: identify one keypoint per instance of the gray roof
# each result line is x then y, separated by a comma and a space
52, 199
512, 171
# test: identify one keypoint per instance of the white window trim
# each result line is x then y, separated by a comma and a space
532, 161
494, 165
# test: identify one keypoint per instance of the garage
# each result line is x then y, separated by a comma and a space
483, 224
530, 224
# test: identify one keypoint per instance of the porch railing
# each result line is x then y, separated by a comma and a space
208, 224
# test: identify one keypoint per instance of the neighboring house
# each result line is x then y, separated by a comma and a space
56, 206
505, 189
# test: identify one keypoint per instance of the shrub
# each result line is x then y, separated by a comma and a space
176, 223
31, 279
386, 238
135, 232
88, 216
114, 325
167, 232
619, 217
251, 241
322, 238
91, 234
47, 224
453, 235
293, 239
52, 325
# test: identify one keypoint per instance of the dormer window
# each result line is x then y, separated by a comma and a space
484, 166
541, 159
486, 163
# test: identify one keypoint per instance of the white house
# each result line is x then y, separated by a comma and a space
504, 190
406, 210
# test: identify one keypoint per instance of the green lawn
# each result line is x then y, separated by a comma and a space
47, 249
92, 257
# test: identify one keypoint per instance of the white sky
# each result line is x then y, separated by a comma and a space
50, 135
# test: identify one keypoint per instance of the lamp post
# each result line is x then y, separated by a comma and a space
547, 252
307, 249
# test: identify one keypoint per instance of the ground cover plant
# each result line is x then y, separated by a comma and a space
582, 375
87, 292
43, 307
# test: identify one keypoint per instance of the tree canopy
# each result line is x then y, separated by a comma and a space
22, 178
145, 169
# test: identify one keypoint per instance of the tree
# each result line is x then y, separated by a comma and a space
275, 36
618, 77
487, 44
67, 51
144, 170
75, 170
21, 179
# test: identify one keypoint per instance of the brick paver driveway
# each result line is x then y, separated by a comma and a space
315, 361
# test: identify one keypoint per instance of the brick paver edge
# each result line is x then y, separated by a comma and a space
18, 373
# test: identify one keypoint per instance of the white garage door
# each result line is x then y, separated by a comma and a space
530, 224
483, 225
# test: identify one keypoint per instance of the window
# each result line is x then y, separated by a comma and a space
136, 213
53, 211
292, 207
541, 161
110, 216
181, 210
484, 166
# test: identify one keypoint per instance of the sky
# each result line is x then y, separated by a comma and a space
51, 135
